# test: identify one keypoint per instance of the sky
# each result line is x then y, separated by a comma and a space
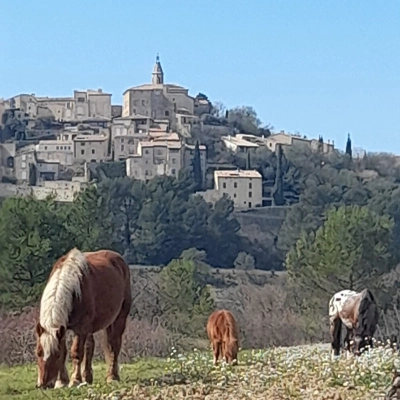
325, 68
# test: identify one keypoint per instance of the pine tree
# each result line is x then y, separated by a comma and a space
348, 146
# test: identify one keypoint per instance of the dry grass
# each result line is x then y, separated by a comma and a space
303, 372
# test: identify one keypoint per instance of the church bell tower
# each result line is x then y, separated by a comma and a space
157, 77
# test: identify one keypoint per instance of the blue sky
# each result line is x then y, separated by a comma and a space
315, 67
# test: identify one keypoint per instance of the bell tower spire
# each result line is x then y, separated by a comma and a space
157, 74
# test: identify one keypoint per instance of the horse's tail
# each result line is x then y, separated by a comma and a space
367, 314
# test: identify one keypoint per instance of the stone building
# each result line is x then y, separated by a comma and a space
163, 156
61, 151
91, 148
82, 105
243, 187
160, 100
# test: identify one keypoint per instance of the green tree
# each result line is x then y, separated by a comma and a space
223, 240
197, 173
350, 251
278, 194
348, 147
88, 225
32, 237
186, 298
32, 174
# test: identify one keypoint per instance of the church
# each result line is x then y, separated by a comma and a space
161, 101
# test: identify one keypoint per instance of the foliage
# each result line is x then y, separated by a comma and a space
185, 296
350, 251
348, 146
28, 249
197, 173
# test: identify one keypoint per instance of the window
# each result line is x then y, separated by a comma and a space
159, 152
173, 171
234, 195
166, 113
45, 147
82, 143
146, 152
56, 147
122, 147
143, 103
174, 161
93, 151
250, 194
250, 185
249, 204
81, 99
224, 185
82, 151
235, 185
122, 140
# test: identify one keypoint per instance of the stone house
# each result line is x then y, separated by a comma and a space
243, 187
90, 148
82, 105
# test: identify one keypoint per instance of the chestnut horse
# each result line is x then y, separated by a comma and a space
86, 292
223, 334
359, 314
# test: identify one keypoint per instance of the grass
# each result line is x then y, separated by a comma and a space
304, 372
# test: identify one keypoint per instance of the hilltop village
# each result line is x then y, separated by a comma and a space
54, 145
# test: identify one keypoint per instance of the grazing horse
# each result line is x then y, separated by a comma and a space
223, 334
359, 314
86, 293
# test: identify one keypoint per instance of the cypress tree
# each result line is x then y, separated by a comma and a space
348, 146
278, 188
197, 173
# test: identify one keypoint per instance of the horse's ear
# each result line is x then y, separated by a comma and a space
39, 329
61, 332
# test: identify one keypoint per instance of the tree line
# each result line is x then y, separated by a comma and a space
150, 223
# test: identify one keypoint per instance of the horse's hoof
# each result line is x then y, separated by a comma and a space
74, 383
60, 384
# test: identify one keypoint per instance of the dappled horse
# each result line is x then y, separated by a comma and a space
358, 312
86, 292
223, 334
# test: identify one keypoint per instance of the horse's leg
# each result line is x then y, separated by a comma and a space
87, 373
217, 352
112, 347
77, 353
62, 377
335, 328
347, 343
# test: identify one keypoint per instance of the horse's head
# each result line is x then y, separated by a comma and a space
231, 351
360, 342
48, 355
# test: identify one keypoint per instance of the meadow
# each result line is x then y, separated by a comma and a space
302, 372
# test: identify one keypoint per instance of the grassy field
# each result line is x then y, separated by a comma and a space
303, 372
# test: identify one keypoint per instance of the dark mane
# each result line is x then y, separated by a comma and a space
367, 314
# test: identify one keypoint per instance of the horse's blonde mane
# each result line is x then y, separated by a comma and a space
57, 299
